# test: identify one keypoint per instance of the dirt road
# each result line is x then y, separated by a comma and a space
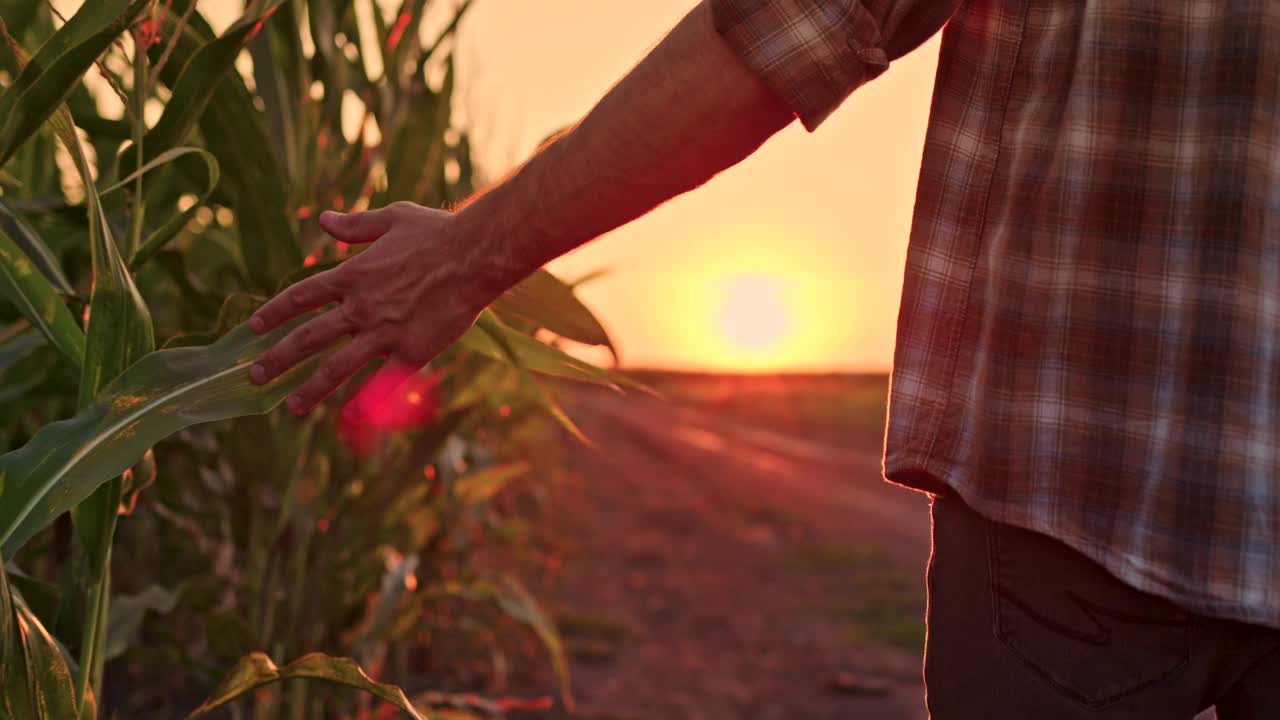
718, 570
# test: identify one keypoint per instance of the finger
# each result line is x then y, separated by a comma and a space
362, 227
333, 373
316, 291
301, 343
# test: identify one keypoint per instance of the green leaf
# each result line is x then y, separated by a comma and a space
489, 335
280, 93
256, 669
127, 613
390, 590
512, 598
156, 240
18, 347
546, 301
14, 351
35, 681
118, 332
519, 603
44, 599
122, 330
47, 80
33, 246
590, 277
415, 169
164, 392
548, 402
192, 90
252, 182
481, 485
38, 301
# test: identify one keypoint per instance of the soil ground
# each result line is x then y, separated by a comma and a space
732, 552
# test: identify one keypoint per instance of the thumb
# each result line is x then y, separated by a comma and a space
355, 228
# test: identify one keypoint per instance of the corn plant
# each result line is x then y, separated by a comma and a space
131, 252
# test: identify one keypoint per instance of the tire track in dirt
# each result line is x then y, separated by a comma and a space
718, 570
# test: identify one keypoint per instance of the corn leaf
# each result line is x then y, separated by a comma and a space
33, 246
162, 393
118, 332
546, 301
156, 240
279, 84
252, 182
38, 301
24, 287
123, 330
548, 402
44, 83
256, 669
481, 485
42, 598
35, 681
589, 277
518, 603
514, 599
493, 338
16, 348
124, 624
191, 92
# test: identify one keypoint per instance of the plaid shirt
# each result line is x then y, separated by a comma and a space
1089, 335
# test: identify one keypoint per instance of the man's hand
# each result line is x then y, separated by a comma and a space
690, 109
408, 296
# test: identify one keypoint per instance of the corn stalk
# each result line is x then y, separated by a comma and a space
124, 281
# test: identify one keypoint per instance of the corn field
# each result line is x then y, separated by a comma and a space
172, 545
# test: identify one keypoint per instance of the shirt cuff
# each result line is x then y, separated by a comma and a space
812, 54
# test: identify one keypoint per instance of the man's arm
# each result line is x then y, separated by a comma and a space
690, 109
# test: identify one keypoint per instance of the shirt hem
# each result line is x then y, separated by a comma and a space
915, 471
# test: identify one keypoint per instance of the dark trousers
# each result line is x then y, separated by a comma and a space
1022, 626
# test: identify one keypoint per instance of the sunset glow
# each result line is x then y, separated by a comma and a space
744, 302
836, 203
820, 220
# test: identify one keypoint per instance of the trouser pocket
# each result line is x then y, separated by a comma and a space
1094, 638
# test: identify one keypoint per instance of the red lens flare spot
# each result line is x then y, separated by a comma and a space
397, 397
505, 411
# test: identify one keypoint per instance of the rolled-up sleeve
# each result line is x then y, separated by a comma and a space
814, 53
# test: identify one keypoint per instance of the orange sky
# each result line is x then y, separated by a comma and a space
791, 260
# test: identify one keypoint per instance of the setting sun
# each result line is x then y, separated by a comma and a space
743, 300
754, 315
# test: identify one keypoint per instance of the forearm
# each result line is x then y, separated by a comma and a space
690, 109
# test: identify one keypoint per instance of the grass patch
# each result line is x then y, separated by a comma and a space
593, 638
823, 404
832, 558
872, 597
